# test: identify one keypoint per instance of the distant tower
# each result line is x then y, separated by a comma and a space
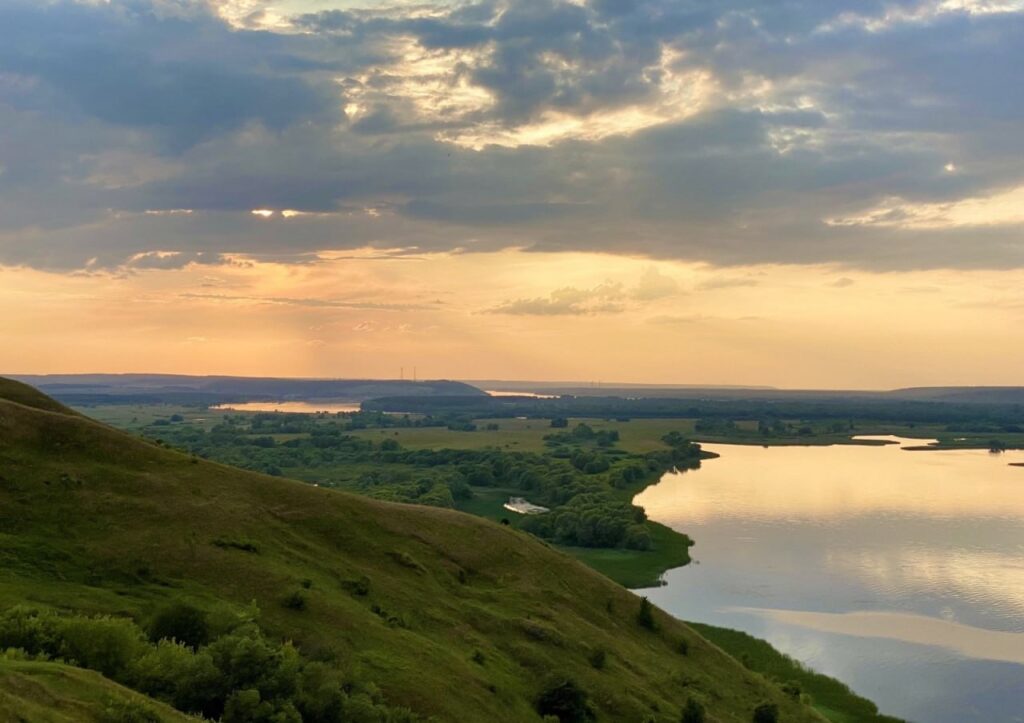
401, 374
414, 375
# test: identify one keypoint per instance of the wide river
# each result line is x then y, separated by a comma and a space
899, 572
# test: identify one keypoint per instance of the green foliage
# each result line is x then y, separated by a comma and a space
693, 712
565, 700
645, 615
181, 622
239, 677
295, 600
593, 520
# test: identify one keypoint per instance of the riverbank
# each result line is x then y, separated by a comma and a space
830, 697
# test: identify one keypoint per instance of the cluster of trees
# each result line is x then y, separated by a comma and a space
593, 520
582, 433
228, 671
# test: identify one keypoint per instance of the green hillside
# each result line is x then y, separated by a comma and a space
44, 692
428, 609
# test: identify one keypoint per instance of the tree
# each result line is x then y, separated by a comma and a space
645, 616
181, 622
766, 713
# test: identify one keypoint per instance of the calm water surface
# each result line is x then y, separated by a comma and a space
899, 572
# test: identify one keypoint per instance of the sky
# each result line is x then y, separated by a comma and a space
795, 193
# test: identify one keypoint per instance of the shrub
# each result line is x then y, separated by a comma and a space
693, 712
683, 647
645, 615
172, 672
598, 659
565, 700
766, 713
104, 644
181, 622
295, 601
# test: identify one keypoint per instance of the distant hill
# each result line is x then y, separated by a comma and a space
964, 395
112, 388
445, 614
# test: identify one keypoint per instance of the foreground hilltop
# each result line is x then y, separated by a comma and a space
415, 611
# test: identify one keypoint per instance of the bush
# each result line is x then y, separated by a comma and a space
766, 713
172, 672
598, 659
565, 700
693, 712
645, 615
295, 601
181, 622
104, 644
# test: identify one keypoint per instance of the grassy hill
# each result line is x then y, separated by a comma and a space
44, 692
448, 615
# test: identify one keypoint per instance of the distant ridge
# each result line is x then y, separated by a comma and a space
99, 388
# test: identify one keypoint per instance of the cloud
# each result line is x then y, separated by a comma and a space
654, 285
312, 302
606, 298
875, 135
726, 282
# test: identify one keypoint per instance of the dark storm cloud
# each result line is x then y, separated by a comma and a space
809, 111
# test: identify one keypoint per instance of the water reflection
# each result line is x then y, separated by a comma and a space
859, 560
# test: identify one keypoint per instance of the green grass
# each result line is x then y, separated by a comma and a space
830, 697
46, 692
96, 521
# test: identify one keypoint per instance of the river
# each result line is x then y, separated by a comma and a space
899, 572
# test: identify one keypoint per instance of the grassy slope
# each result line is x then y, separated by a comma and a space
54, 693
96, 520
832, 698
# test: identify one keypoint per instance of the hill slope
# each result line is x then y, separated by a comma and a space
450, 615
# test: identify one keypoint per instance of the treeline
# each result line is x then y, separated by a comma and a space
878, 408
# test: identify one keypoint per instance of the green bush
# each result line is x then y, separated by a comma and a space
174, 673
693, 712
598, 659
766, 713
105, 644
181, 622
645, 615
565, 700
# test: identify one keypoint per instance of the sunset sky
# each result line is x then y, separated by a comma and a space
794, 193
